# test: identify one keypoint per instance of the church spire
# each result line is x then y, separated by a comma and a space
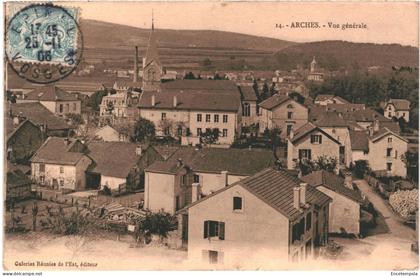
153, 22
152, 68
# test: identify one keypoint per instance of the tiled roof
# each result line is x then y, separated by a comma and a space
165, 151
56, 151
50, 93
10, 129
215, 160
248, 93
366, 115
332, 182
384, 131
347, 107
128, 83
275, 188
206, 98
216, 85
39, 115
330, 119
400, 104
113, 158
307, 129
359, 140
323, 97
274, 101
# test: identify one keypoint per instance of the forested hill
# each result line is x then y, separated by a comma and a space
335, 54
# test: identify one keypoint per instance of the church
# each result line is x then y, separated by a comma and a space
188, 110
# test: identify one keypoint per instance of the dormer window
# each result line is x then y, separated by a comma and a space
289, 106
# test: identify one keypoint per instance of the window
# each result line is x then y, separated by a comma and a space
42, 179
163, 116
389, 114
334, 131
214, 229
207, 118
41, 167
61, 108
196, 178
305, 154
389, 139
61, 169
308, 221
225, 118
216, 118
298, 230
316, 139
199, 131
403, 115
396, 155
177, 203
67, 108
61, 182
289, 115
389, 166
179, 130
289, 129
167, 131
198, 117
246, 109
388, 152
225, 132
237, 203
74, 106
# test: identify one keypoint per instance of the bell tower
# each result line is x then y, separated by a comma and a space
152, 67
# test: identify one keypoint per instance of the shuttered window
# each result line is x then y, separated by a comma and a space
214, 229
316, 139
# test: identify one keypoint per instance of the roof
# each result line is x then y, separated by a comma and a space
330, 119
399, 104
194, 97
275, 188
128, 83
17, 178
216, 160
274, 101
112, 158
50, 93
248, 93
11, 129
365, 115
359, 140
152, 50
308, 128
346, 107
56, 151
383, 132
165, 151
332, 182
39, 115
324, 97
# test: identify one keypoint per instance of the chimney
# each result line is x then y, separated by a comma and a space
138, 150
136, 65
370, 131
195, 192
179, 163
303, 193
66, 141
175, 102
224, 175
348, 180
153, 100
376, 125
291, 134
296, 197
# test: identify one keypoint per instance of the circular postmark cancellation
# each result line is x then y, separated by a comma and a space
43, 42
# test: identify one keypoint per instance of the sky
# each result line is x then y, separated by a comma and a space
387, 22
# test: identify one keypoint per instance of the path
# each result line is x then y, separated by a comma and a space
394, 222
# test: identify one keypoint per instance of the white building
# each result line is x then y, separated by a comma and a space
398, 108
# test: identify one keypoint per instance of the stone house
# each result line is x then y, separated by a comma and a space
282, 112
60, 163
344, 210
399, 108
310, 142
187, 108
54, 99
268, 214
109, 134
168, 184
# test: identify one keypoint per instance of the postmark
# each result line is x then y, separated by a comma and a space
43, 42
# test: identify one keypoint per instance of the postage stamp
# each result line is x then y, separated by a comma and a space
43, 42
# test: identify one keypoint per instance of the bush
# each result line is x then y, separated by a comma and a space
157, 223
360, 168
404, 202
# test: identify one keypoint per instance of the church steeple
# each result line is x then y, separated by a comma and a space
152, 68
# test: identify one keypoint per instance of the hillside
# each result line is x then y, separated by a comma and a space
335, 54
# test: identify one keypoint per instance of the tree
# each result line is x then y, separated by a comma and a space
96, 99
210, 136
360, 168
144, 130
273, 89
160, 223
326, 163
411, 161
255, 87
75, 119
166, 127
217, 77
189, 76
265, 92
